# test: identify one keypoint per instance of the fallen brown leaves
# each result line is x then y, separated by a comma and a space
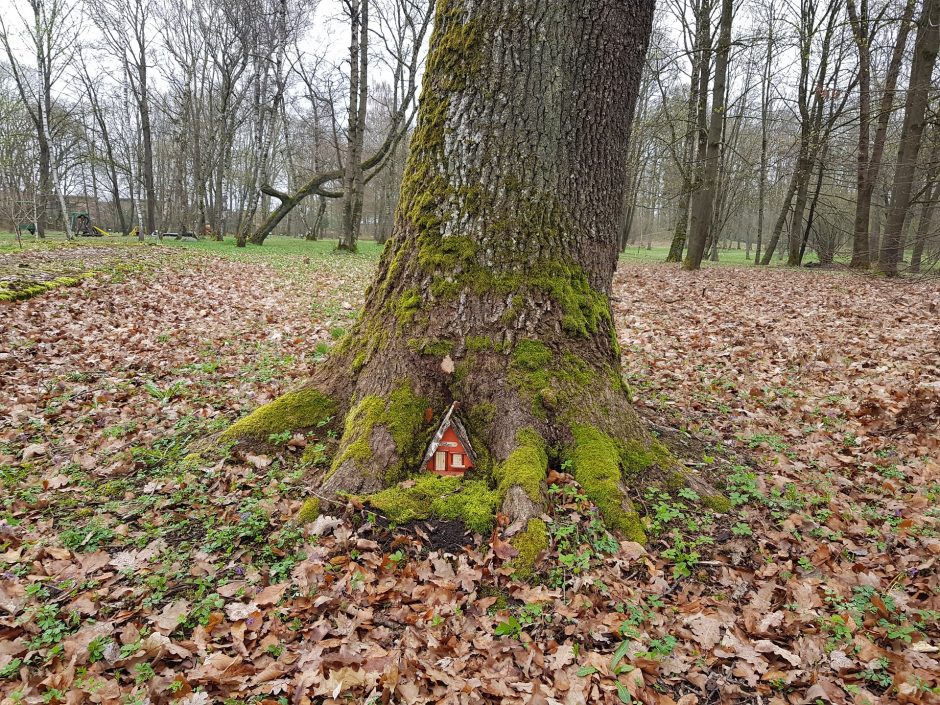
132, 571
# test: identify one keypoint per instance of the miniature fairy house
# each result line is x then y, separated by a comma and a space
450, 453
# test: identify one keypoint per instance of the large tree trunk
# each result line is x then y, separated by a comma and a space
494, 289
925, 56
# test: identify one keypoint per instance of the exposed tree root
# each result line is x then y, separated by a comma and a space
529, 409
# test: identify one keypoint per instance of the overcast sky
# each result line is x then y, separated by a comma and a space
327, 34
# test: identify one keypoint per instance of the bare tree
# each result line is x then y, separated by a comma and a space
47, 33
127, 28
864, 30
926, 46
328, 183
703, 201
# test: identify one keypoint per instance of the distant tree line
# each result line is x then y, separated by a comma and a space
181, 116
788, 128
779, 128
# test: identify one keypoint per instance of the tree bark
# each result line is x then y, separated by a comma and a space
143, 98
765, 104
924, 228
494, 289
925, 56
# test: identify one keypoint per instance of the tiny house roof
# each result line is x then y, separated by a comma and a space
450, 421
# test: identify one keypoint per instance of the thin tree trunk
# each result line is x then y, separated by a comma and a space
925, 227
869, 163
703, 202
765, 103
812, 206
358, 104
925, 56
680, 232
150, 191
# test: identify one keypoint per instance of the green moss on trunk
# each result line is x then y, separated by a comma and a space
526, 466
596, 460
309, 511
402, 414
530, 543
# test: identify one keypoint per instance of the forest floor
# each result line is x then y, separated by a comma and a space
131, 571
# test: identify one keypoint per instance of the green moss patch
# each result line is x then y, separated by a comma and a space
546, 379
530, 543
431, 496
20, 291
638, 457
596, 459
717, 503
408, 304
531, 355
292, 411
309, 511
526, 466
402, 414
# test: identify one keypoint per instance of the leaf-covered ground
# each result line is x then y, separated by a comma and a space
134, 571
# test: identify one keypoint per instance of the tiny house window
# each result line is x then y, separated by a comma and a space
456, 459
440, 461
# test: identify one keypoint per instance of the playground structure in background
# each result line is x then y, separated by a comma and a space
83, 227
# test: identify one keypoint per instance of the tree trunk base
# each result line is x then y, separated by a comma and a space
525, 412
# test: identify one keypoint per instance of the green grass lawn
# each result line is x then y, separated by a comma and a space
284, 252
725, 257
276, 247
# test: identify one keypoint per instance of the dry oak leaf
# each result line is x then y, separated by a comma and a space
259, 461
34, 450
766, 646
706, 630
171, 616
240, 611
503, 549
631, 550
447, 365
271, 594
563, 655
341, 680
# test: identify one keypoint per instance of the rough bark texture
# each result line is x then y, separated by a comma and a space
494, 288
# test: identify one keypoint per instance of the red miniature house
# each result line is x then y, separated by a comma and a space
450, 453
